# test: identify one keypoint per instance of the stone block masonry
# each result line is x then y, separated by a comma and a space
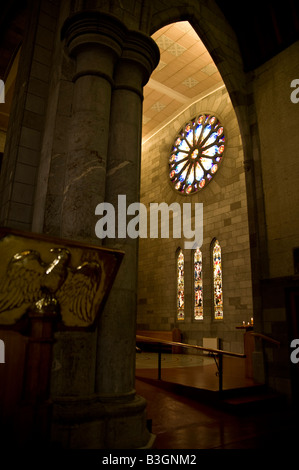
224, 218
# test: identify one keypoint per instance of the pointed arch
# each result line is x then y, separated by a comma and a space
198, 285
217, 280
202, 21
180, 280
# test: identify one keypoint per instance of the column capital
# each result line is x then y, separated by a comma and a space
89, 28
142, 50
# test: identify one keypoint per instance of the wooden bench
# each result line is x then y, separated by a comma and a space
164, 335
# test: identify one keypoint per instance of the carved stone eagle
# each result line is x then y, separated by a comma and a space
29, 280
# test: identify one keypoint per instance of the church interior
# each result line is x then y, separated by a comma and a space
187, 108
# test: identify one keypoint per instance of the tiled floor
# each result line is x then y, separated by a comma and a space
183, 422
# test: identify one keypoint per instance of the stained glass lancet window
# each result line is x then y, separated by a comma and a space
180, 286
198, 297
196, 154
217, 281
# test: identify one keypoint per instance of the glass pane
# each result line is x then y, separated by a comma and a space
206, 132
198, 297
197, 132
206, 163
180, 286
212, 139
211, 151
183, 145
190, 178
218, 294
199, 172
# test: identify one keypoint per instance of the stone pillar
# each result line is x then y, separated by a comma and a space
95, 41
116, 373
95, 404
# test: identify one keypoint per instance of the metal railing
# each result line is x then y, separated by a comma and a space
216, 353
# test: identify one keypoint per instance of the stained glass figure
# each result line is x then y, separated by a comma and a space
180, 286
196, 154
217, 280
198, 293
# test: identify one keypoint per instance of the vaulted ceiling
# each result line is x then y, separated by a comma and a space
186, 71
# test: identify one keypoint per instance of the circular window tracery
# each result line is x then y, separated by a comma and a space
196, 154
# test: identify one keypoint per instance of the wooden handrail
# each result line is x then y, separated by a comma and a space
147, 339
216, 352
265, 338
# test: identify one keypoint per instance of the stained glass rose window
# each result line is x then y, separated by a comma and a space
196, 154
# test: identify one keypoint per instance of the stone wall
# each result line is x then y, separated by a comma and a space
277, 119
27, 118
225, 218
276, 123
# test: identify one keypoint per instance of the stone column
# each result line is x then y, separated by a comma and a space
95, 404
95, 41
115, 375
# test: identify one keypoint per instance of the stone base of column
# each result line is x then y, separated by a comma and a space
94, 423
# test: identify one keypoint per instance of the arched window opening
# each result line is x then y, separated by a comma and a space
217, 281
198, 291
180, 286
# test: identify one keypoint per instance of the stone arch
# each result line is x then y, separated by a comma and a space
202, 19
221, 42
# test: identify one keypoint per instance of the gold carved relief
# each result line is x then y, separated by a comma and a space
45, 274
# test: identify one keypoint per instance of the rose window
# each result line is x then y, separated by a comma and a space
196, 154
